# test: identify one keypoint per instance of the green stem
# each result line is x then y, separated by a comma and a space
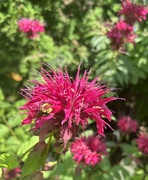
47, 150
10, 129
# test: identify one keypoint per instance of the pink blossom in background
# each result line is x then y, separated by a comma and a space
120, 34
63, 104
142, 142
88, 150
30, 27
127, 125
133, 12
11, 174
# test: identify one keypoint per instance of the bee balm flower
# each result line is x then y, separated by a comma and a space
88, 150
142, 142
133, 12
61, 104
127, 125
120, 34
30, 27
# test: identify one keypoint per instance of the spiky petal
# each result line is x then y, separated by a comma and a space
133, 12
127, 125
62, 104
88, 150
31, 27
120, 34
142, 142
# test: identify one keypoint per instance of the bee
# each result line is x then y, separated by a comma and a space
44, 110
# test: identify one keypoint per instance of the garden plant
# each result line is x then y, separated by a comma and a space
74, 90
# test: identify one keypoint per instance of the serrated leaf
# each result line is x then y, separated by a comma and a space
34, 160
27, 145
9, 161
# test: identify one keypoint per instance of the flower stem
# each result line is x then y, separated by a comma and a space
10, 129
47, 150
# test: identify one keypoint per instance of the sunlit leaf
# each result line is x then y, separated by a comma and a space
9, 161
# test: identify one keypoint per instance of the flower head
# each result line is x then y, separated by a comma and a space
88, 150
127, 125
120, 34
142, 142
133, 12
62, 104
30, 27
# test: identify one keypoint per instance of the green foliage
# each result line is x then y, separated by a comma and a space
8, 161
75, 32
65, 169
34, 160
26, 147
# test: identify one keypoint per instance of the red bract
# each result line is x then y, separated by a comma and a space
88, 150
30, 27
142, 142
133, 12
127, 125
121, 34
61, 104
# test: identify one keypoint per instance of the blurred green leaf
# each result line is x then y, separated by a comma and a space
4, 130
128, 149
27, 146
9, 161
105, 164
66, 167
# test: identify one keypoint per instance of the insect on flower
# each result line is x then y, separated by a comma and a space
63, 104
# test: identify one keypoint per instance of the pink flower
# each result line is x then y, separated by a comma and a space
133, 12
121, 34
127, 125
88, 150
142, 142
30, 27
61, 104
11, 174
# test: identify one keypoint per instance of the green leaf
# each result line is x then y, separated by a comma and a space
38, 175
66, 167
110, 144
117, 170
35, 159
106, 176
105, 164
9, 161
127, 160
87, 133
128, 149
2, 97
4, 130
26, 146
